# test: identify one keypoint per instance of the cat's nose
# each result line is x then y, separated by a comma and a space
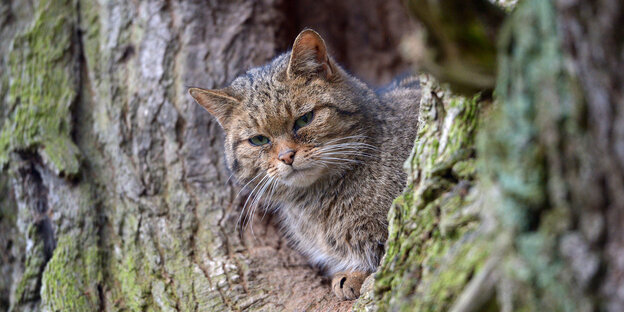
287, 156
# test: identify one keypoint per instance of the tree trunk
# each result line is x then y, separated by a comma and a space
115, 195
540, 227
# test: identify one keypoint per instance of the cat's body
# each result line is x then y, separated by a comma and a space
324, 150
341, 223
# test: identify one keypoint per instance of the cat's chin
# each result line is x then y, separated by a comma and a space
301, 178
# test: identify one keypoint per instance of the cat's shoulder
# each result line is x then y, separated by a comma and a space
402, 94
405, 83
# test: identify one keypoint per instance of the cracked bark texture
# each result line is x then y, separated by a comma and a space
532, 220
115, 197
114, 191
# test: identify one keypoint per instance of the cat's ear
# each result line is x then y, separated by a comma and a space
218, 103
309, 56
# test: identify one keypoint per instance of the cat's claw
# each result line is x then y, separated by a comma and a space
346, 285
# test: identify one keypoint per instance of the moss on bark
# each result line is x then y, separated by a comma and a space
538, 106
71, 278
521, 248
27, 290
147, 220
432, 247
42, 88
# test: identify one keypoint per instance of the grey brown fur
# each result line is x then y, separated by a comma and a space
332, 199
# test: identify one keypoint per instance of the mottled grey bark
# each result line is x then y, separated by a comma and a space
114, 191
115, 195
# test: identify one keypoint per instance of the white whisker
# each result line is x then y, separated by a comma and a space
347, 137
230, 177
320, 162
345, 149
341, 159
246, 201
269, 202
331, 154
258, 197
254, 204
355, 153
348, 146
244, 186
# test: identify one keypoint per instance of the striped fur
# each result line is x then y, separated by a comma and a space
334, 198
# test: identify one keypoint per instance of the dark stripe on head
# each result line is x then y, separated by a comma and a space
254, 120
235, 165
338, 110
228, 112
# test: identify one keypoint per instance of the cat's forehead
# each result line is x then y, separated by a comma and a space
269, 84
267, 78
270, 102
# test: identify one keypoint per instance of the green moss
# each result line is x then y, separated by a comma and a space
27, 288
71, 279
436, 245
91, 24
43, 83
443, 286
465, 169
427, 224
131, 277
533, 91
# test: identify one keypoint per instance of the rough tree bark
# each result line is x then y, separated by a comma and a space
540, 227
114, 192
115, 196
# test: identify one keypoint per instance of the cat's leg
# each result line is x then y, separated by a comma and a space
346, 285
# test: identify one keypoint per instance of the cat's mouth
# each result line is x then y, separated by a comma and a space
300, 177
300, 171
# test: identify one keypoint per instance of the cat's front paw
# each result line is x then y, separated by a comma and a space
346, 285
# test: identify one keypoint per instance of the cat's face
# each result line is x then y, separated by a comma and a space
294, 121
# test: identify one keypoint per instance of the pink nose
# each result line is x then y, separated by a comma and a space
287, 156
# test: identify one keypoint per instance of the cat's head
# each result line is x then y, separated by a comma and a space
296, 120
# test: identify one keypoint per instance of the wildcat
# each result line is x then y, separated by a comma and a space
323, 149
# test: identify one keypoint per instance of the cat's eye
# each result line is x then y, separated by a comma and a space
304, 120
259, 140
